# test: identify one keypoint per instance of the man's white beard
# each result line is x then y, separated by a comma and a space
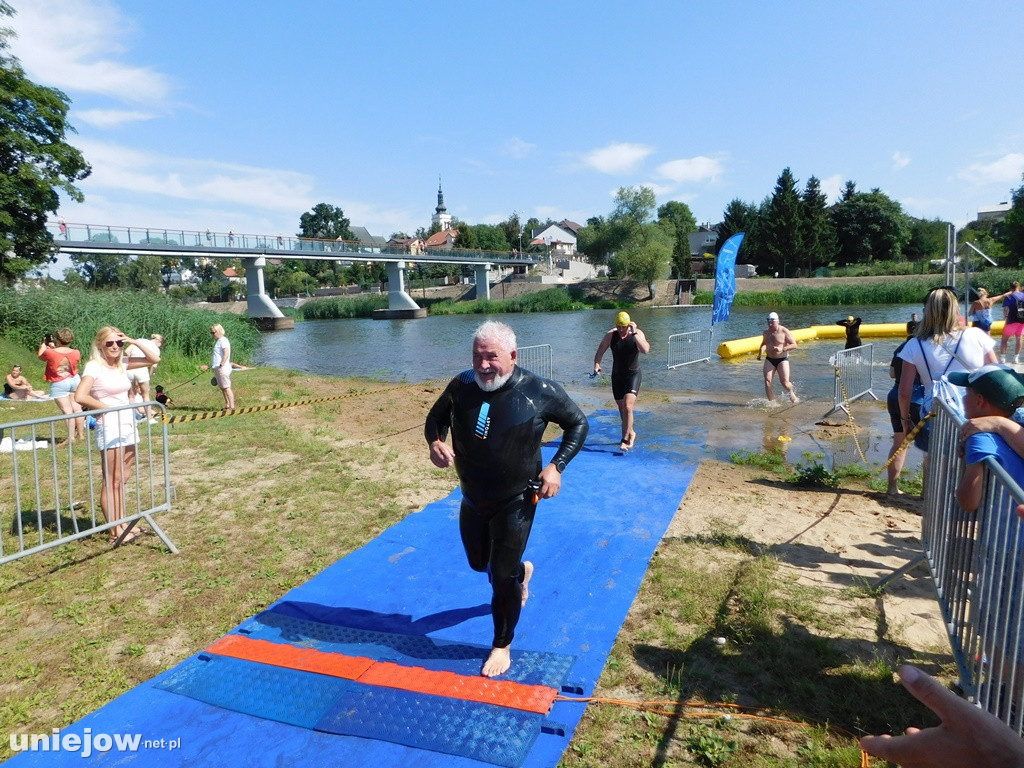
497, 383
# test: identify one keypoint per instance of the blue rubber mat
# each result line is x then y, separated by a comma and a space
274, 693
528, 667
478, 731
591, 546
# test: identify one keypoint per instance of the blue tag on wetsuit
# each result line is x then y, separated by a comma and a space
482, 422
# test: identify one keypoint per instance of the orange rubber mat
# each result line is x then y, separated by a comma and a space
386, 674
278, 655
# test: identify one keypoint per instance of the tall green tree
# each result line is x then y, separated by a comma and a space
513, 230
646, 248
783, 225
1013, 227
927, 240
323, 222
598, 239
466, 237
679, 218
36, 163
745, 217
818, 237
870, 226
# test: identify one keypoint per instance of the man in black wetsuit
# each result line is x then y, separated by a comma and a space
497, 414
626, 342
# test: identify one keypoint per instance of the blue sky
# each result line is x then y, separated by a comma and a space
243, 115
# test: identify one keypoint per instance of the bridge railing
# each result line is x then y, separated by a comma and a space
50, 491
154, 238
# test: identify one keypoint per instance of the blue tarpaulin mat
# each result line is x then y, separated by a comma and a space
591, 546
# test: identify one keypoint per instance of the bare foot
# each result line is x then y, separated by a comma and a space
632, 439
497, 663
525, 586
793, 398
894, 492
623, 446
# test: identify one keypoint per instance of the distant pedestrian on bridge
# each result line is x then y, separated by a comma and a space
626, 341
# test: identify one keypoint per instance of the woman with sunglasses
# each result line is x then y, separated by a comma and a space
105, 384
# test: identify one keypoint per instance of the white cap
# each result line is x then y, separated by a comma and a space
773, 316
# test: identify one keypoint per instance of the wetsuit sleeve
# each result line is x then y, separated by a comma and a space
439, 419
567, 415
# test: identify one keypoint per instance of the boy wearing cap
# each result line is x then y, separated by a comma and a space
775, 346
626, 341
992, 390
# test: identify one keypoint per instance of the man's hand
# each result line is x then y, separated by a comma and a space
967, 736
551, 482
441, 454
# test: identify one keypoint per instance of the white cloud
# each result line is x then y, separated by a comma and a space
617, 158
659, 189
833, 187
1005, 170
111, 118
122, 169
900, 160
692, 169
74, 46
517, 148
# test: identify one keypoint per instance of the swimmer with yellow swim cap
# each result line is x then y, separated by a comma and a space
626, 341
852, 325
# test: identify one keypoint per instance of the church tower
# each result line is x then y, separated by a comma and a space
441, 217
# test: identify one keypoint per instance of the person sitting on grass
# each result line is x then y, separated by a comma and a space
16, 387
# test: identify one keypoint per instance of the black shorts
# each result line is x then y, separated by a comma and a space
626, 384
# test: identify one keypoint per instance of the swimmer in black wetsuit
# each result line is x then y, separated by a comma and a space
852, 325
626, 342
497, 414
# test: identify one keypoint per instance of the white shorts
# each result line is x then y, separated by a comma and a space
140, 375
116, 430
223, 377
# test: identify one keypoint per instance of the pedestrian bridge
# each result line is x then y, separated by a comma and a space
254, 250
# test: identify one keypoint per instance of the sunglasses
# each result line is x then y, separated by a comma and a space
112, 343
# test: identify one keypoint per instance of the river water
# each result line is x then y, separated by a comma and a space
439, 346
714, 401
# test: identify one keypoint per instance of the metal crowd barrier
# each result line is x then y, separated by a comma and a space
853, 377
975, 560
536, 360
50, 486
689, 347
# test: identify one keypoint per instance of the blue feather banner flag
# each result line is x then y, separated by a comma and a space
725, 279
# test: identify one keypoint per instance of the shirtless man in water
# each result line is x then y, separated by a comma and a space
775, 346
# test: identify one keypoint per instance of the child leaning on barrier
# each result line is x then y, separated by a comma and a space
992, 390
